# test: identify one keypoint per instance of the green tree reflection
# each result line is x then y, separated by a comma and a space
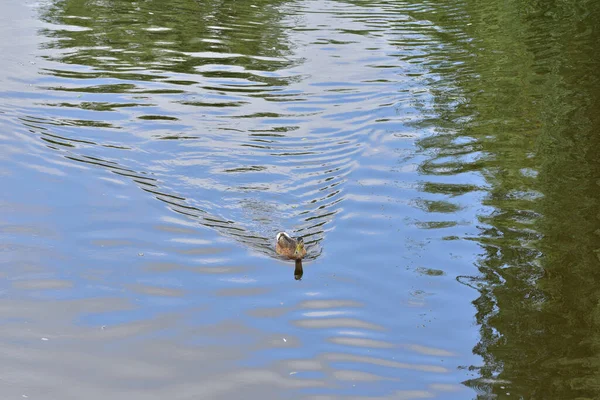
175, 36
521, 106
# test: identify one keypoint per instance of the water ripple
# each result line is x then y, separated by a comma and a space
154, 149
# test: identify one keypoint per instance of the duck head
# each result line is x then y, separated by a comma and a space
299, 246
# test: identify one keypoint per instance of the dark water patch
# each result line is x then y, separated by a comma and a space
430, 271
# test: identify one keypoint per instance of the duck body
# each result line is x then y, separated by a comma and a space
292, 248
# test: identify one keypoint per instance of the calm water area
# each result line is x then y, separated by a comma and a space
440, 158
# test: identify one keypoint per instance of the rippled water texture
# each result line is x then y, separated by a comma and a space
440, 158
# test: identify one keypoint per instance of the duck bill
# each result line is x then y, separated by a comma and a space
298, 250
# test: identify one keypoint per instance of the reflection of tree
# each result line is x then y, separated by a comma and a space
162, 35
524, 113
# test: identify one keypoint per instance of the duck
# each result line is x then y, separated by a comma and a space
292, 248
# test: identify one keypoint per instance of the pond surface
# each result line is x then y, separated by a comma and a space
439, 158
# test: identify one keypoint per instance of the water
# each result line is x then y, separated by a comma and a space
439, 158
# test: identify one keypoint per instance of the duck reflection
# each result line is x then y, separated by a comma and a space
298, 271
